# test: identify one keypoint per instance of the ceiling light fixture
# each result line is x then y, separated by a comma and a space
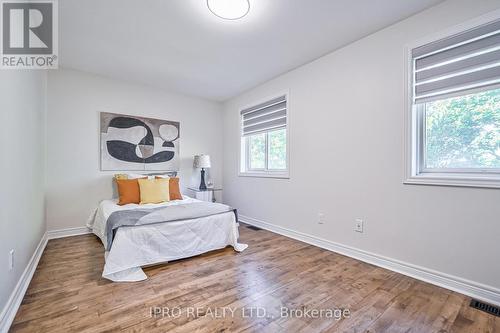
229, 9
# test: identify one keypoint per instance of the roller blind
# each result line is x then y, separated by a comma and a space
460, 64
264, 117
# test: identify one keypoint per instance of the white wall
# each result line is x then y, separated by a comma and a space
347, 119
75, 183
22, 224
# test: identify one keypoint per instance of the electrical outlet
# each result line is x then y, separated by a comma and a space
11, 260
358, 227
321, 218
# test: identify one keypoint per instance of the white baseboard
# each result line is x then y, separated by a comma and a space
53, 234
10, 309
473, 289
15, 299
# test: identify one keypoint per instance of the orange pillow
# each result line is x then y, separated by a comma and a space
128, 191
174, 189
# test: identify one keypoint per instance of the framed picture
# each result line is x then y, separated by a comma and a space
131, 143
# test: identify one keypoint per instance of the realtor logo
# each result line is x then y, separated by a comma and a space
29, 34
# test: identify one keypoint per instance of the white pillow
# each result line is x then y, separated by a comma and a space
137, 175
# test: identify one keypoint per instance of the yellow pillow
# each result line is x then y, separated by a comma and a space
154, 190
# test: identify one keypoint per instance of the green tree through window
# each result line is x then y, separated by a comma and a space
277, 150
257, 145
463, 132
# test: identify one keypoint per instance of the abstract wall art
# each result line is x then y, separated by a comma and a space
130, 143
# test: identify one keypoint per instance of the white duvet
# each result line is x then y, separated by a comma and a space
144, 245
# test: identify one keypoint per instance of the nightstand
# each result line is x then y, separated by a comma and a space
205, 195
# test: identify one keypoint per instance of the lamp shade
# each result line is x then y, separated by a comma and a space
201, 161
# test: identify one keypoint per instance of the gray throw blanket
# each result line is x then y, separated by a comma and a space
135, 217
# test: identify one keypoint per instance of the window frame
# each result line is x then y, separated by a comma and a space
244, 162
414, 149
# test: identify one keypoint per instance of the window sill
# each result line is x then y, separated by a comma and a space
255, 174
456, 179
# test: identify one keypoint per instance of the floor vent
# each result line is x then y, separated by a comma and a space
253, 227
491, 309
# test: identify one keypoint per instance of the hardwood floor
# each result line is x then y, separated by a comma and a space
68, 294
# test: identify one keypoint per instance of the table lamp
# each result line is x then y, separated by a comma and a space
202, 161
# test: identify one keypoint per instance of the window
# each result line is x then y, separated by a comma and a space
454, 123
463, 132
264, 139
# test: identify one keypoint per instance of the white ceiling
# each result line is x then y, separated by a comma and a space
180, 45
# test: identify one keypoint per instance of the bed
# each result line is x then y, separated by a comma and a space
160, 233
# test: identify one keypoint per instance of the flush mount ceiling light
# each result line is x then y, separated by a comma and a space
229, 9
